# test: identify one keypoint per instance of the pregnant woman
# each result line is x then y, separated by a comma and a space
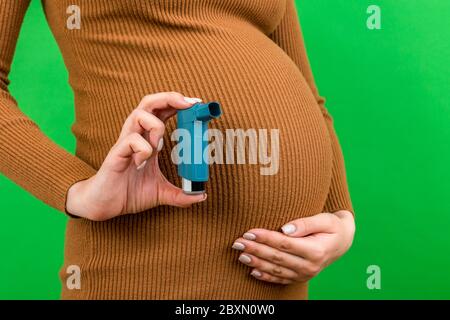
132, 232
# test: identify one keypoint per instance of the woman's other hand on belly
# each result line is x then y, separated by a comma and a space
129, 180
298, 253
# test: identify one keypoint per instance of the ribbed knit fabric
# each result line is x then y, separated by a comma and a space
247, 54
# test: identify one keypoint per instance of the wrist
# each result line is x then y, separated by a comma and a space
344, 214
75, 200
348, 221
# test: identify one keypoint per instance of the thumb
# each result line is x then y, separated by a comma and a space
320, 223
174, 196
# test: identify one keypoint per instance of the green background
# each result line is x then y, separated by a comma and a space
388, 91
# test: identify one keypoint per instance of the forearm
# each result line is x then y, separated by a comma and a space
339, 195
27, 156
37, 164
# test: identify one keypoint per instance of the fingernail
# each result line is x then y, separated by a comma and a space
249, 236
256, 273
204, 197
288, 228
160, 144
238, 246
245, 259
192, 100
142, 165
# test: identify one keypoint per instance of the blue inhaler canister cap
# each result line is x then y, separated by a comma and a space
194, 169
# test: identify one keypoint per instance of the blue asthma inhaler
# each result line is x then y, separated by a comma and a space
194, 168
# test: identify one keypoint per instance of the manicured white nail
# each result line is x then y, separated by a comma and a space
142, 165
256, 273
192, 100
288, 228
245, 259
249, 236
203, 198
238, 246
160, 144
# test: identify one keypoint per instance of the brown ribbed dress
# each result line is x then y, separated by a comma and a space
247, 54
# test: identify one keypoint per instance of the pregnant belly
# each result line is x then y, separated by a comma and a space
276, 156
262, 93
171, 252
265, 97
175, 253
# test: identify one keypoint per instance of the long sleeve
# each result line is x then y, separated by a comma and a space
27, 156
289, 37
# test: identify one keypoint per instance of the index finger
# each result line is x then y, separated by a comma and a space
165, 104
319, 223
297, 246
